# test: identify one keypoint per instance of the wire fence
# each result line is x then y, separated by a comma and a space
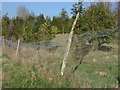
98, 34
36, 45
48, 44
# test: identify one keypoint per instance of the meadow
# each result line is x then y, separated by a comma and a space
33, 68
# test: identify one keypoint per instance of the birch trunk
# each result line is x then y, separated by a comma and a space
68, 46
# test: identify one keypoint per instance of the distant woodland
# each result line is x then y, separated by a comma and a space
31, 28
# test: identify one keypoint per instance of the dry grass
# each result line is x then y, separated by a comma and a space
41, 68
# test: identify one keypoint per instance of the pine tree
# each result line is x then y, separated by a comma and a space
56, 21
64, 20
5, 25
28, 34
45, 32
40, 19
18, 28
78, 7
98, 17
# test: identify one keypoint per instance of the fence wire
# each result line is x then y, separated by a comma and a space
49, 43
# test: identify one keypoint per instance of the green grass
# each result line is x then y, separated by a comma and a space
40, 69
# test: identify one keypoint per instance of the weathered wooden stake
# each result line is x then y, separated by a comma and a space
3, 41
69, 44
18, 46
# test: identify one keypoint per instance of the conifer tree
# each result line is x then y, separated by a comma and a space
78, 7
5, 25
64, 20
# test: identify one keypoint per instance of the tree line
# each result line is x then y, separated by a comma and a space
29, 27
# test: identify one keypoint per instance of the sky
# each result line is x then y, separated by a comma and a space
47, 8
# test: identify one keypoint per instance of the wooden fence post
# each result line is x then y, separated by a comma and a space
3, 41
69, 44
18, 46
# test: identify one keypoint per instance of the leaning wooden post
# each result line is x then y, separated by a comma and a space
69, 44
18, 46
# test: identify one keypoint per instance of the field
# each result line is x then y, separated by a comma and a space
41, 68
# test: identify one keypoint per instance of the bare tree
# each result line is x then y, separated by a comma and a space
22, 11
